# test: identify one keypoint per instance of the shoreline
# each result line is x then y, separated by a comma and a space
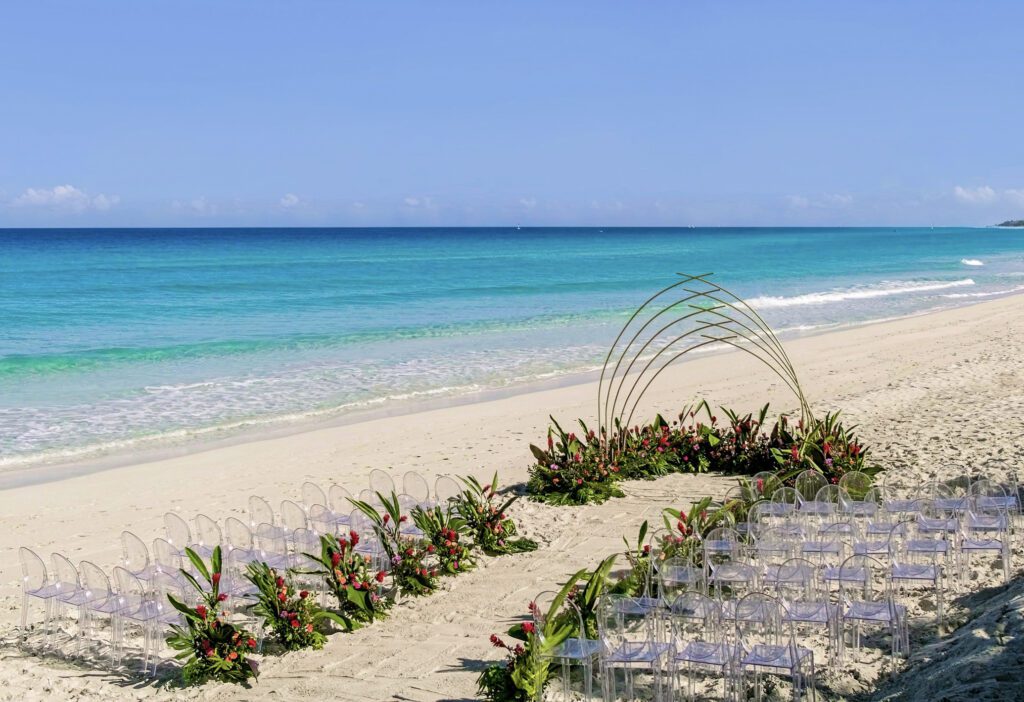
161, 447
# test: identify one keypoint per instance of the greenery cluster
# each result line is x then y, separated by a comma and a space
584, 468
291, 617
211, 647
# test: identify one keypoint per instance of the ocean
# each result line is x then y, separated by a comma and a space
115, 339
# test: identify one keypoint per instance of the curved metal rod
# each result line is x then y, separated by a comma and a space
610, 408
756, 339
604, 368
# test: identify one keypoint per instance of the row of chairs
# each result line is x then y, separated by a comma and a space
136, 591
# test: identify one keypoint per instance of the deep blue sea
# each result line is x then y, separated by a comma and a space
113, 338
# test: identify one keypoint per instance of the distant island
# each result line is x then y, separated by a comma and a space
1012, 223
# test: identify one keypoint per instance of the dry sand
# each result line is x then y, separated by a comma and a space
932, 394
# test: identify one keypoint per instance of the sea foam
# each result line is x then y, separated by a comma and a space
857, 293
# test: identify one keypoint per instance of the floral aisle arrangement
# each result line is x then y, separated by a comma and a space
446, 533
350, 577
291, 617
411, 556
484, 511
212, 647
579, 469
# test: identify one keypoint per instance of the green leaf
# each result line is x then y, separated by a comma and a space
198, 564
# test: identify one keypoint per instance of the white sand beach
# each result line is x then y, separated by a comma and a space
931, 394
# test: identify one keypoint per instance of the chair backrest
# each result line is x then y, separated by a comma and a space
130, 590
381, 482
722, 543
796, 578
260, 512
177, 531
306, 541
33, 569
271, 540
677, 575
208, 532
163, 585
622, 621
757, 617
339, 499
95, 581
695, 615
65, 572
292, 516
765, 483
322, 520
808, 483
773, 545
786, 496
856, 484
167, 557
238, 534
539, 609
134, 552
828, 494
862, 578
416, 486
313, 494
445, 488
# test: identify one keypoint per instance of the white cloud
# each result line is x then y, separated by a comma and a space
827, 201
290, 200
420, 201
981, 195
196, 206
528, 202
1015, 196
66, 198
412, 201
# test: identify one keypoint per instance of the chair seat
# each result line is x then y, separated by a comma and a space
915, 571
837, 574
821, 547
817, 508
937, 546
576, 649
46, 591
981, 545
775, 656
707, 653
633, 652
733, 573
873, 611
810, 612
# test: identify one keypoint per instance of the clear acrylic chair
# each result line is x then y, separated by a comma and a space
407, 504
135, 556
764, 484
208, 536
807, 604
729, 567
167, 559
369, 542
100, 600
873, 606
572, 651
678, 575
339, 500
769, 646
293, 517
36, 584
381, 482
629, 642
313, 494
71, 595
831, 544
272, 547
856, 484
166, 615
920, 555
446, 488
785, 502
324, 521
238, 538
260, 512
808, 482
416, 486
136, 605
985, 528
771, 547
698, 643
177, 531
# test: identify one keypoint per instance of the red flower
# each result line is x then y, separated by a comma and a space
647, 548
304, 594
295, 623
335, 558
354, 537
232, 656
403, 519
252, 643
221, 597
495, 641
216, 579
387, 517
280, 581
309, 628
380, 576
201, 611
528, 627
282, 597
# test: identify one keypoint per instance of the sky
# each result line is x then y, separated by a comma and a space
337, 113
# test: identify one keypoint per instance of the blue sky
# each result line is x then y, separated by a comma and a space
474, 113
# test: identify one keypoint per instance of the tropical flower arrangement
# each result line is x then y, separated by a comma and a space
411, 557
350, 577
291, 616
484, 511
445, 531
212, 647
580, 469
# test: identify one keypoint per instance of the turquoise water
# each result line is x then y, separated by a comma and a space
112, 337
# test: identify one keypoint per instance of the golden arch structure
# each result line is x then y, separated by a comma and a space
690, 314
